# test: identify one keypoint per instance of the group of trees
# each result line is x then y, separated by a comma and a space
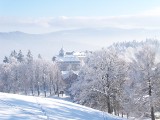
120, 84
26, 75
122, 79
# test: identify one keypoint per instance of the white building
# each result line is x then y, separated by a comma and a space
70, 60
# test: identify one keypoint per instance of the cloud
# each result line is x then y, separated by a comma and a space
152, 12
147, 20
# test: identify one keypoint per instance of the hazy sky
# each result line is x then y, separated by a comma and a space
102, 16
41, 16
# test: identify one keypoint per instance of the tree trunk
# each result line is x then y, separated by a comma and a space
150, 94
127, 115
44, 88
50, 87
32, 89
122, 114
32, 92
152, 113
50, 91
38, 91
109, 104
45, 93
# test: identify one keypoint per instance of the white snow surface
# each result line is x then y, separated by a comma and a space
20, 107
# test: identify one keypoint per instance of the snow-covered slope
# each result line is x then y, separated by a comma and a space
19, 107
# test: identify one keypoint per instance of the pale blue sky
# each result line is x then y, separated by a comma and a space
43, 16
54, 8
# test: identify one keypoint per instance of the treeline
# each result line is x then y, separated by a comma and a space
25, 75
119, 82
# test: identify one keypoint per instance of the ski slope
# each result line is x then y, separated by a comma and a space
20, 107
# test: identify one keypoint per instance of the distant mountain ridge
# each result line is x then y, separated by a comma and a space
85, 31
49, 44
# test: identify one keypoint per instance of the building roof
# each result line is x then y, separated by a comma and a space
67, 58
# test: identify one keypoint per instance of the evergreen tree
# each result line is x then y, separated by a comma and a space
39, 56
20, 56
54, 58
29, 57
13, 54
6, 60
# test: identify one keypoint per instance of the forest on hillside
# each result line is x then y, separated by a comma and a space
122, 79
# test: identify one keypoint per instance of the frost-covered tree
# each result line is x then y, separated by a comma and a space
144, 77
6, 60
29, 57
101, 81
13, 54
121, 81
39, 56
20, 56
29, 76
5, 78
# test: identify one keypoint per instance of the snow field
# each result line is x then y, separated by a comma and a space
20, 107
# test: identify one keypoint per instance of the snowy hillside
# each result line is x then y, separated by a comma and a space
19, 107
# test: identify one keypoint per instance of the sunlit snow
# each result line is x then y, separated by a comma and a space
20, 107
